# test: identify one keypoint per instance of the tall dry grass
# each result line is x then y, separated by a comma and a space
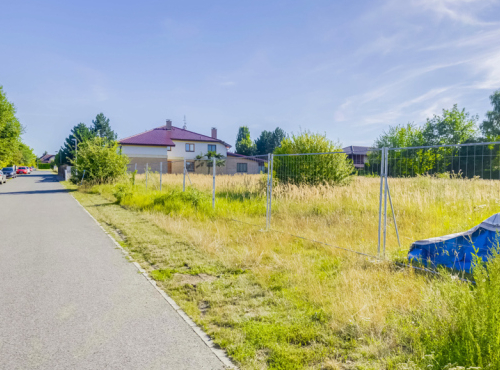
357, 295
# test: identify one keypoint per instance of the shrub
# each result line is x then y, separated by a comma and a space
100, 160
331, 169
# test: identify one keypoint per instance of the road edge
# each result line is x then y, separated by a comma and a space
220, 353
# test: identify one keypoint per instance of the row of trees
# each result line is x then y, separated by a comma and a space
12, 150
100, 127
454, 126
267, 142
94, 154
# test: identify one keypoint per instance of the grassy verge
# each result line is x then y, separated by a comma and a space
277, 302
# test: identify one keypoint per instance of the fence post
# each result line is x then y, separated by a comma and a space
161, 173
184, 177
267, 189
392, 210
82, 177
147, 176
386, 165
271, 191
213, 191
382, 169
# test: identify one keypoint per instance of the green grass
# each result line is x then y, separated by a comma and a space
277, 302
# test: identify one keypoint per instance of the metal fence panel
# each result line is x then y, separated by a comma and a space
440, 190
332, 198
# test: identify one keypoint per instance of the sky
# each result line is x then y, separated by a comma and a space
346, 68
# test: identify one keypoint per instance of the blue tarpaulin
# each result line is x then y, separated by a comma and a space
456, 251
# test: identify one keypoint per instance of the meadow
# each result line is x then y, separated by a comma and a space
275, 301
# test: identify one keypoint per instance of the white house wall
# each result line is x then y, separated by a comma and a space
200, 148
145, 151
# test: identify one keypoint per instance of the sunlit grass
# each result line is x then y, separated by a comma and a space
319, 287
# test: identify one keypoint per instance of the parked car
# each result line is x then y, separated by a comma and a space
3, 178
9, 172
22, 170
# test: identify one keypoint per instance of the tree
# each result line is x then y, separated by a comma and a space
332, 169
454, 127
207, 160
491, 126
10, 131
82, 133
25, 155
244, 144
268, 141
400, 136
102, 128
101, 161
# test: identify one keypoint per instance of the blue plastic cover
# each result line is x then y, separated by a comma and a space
456, 251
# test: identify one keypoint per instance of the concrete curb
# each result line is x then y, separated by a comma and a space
221, 354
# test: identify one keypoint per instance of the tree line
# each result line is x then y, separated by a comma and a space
12, 149
81, 133
93, 152
454, 126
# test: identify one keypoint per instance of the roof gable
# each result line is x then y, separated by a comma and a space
160, 136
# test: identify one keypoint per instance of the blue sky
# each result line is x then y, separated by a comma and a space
345, 68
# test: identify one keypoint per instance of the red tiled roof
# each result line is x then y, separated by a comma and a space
160, 136
47, 158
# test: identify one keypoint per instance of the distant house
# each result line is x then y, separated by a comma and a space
47, 158
170, 145
358, 154
240, 164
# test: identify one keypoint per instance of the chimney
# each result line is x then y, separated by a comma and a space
169, 124
214, 133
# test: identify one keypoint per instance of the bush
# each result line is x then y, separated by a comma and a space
100, 160
44, 166
326, 169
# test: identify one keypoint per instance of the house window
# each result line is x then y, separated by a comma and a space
241, 167
190, 166
212, 148
358, 159
169, 148
189, 147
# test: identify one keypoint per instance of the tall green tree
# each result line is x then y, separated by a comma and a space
82, 133
268, 141
10, 131
102, 128
401, 136
244, 145
453, 127
25, 156
491, 126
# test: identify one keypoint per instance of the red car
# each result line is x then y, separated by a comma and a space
22, 170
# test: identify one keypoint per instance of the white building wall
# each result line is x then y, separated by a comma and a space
145, 151
178, 151
200, 147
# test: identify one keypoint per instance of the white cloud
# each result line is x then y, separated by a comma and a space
464, 11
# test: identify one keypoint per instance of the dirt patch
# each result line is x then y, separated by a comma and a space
193, 280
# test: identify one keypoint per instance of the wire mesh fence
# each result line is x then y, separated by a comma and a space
369, 201
440, 190
317, 197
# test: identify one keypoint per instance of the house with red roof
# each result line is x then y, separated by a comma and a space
170, 146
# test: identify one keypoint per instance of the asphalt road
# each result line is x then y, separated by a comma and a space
69, 299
